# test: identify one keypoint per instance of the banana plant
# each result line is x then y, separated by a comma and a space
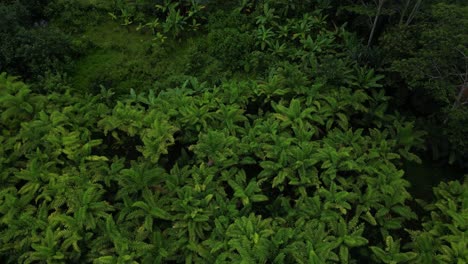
301, 170
301, 27
36, 176
46, 250
348, 235
153, 25
284, 31
175, 23
247, 193
196, 117
315, 46
391, 210
278, 49
167, 6
287, 7
193, 212
268, 16
16, 101
88, 207
311, 243
270, 88
147, 210
159, 38
337, 200
407, 138
157, 138
137, 178
218, 148
249, 238
365, 78
293, 113
123, 250
232, 118
265, 37
126, 16
124, 117
194, 14
392, 254
22, 220
443, 238
70, 234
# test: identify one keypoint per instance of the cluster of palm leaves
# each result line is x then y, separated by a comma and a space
210, 176
291, 168
168, 17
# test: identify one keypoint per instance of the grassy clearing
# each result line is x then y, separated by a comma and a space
123, 58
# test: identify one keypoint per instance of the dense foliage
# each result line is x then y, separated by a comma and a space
422, 47
438, 85
266, 138
29, 46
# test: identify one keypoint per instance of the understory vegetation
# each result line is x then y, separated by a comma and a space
268, 131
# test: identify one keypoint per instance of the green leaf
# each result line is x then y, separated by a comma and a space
105, 260
160, 213
344, 254
355, 241
380, 253
97, 158
369, 218
259, 198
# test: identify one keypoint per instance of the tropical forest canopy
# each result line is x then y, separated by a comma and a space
234, 131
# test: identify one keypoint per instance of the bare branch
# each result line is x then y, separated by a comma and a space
413, 12
374, 24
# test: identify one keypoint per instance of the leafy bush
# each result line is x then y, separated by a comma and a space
297, 162
230, 47
420, 46
242, 173
431, 62
30, 47
74, 16
443, 237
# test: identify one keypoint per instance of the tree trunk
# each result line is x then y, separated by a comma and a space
413, 12
403, 13
374, 25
